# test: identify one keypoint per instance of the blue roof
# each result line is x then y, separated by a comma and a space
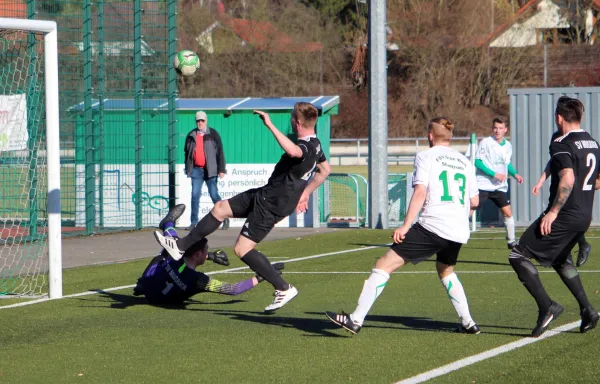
323, 104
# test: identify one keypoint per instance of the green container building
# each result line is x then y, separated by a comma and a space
110, 149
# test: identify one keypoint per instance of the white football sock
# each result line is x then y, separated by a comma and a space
509, 222
457, 297
371, 290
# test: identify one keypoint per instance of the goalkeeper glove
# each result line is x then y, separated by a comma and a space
218, 257
278, 267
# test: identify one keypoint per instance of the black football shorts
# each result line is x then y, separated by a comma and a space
420, 244
259, 219
499, 198
552, 249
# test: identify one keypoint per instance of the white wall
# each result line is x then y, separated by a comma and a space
119, 188
523, 34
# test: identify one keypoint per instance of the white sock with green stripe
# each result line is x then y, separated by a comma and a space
457, 297
371, 290
509, 223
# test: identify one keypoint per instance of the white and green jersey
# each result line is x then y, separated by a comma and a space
496, 157
450, 181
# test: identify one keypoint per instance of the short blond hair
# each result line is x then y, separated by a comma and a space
441, 127
306, 113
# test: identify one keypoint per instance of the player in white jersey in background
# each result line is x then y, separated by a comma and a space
493, 164
445, 191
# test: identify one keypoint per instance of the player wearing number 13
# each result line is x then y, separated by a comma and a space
445, 190
549, 240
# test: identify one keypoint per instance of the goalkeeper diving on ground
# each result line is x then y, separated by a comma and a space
169, 281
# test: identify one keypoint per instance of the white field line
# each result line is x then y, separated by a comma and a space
504, 238
445, 369
394, 273
87, 293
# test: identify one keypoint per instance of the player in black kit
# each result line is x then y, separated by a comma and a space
584, 247
167, 281
575, 165
288, 189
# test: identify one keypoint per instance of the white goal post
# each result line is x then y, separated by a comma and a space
52, 152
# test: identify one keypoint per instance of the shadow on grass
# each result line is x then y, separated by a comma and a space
121, 301
312, 326
321, 326
428, 325
415, 323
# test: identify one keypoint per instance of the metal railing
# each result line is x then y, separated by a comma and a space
400, 149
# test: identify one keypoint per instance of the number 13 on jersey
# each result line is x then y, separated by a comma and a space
450, 180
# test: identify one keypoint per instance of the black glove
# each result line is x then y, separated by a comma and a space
277, 266
218, 257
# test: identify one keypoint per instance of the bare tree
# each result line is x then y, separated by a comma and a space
579, 15
445, 66
440, 69
261, 66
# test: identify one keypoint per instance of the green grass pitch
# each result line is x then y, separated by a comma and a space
114, 337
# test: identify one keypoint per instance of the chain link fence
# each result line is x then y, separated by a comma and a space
112, 50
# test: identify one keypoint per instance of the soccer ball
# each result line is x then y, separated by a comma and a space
186, 63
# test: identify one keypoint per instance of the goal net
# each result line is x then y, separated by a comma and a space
345, 203
30, 244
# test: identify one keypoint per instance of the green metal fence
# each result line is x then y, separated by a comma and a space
397, 199
345, 200
117, 50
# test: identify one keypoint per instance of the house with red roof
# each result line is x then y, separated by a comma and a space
261, 35
13, 10
547, 21
558, 37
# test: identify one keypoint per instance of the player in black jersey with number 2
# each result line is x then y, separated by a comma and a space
575, 166
584, 247
288, 189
